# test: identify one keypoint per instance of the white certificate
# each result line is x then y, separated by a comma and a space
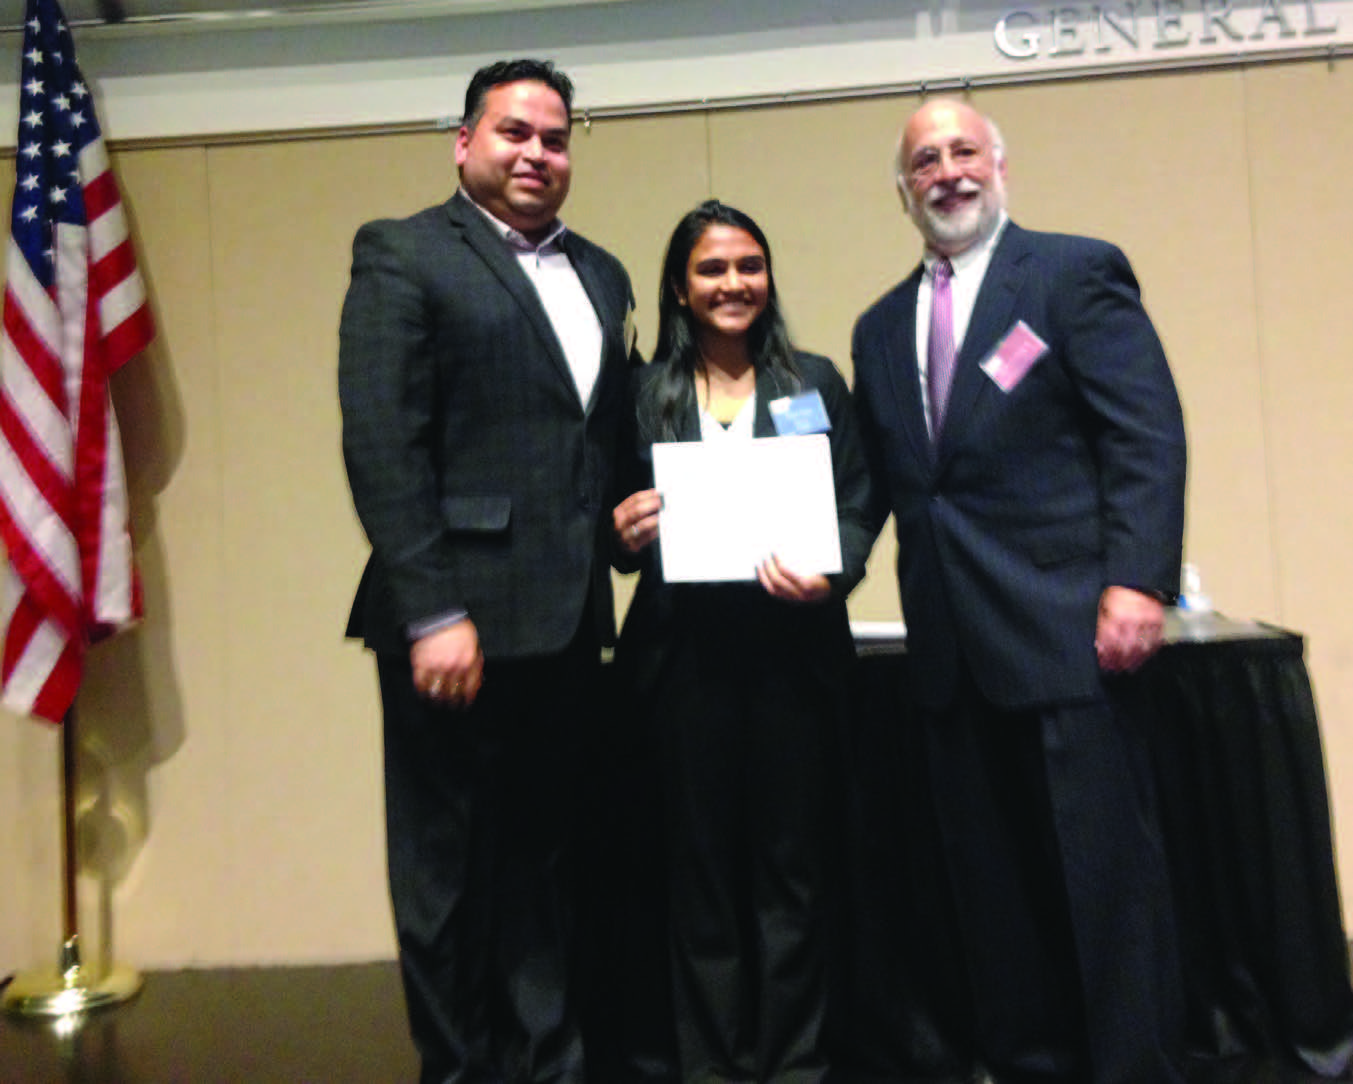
727, 505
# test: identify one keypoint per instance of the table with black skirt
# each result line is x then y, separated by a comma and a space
1240, 788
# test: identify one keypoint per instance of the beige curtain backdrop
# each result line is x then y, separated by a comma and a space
231, 807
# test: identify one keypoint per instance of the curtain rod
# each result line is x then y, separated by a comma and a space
952, 85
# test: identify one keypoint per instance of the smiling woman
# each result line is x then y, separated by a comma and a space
740, 683
727, 283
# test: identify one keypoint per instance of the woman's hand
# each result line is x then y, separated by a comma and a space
781, 583
636, 519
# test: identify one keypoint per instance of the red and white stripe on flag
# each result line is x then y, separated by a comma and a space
75, 311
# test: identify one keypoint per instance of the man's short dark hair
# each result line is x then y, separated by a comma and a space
514, 71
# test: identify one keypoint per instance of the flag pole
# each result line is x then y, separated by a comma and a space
74, 306
71, 989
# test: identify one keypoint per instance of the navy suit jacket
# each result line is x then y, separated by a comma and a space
1035, 499
482, 480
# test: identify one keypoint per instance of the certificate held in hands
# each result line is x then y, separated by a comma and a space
728, 505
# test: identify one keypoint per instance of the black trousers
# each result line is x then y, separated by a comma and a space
1059, 882
744, 728
481, 812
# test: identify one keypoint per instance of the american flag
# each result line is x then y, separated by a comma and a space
75, 312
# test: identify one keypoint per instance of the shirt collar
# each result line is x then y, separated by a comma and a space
517, 240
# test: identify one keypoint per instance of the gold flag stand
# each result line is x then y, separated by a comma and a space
70, 989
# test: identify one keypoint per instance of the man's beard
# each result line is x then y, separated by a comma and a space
970, 223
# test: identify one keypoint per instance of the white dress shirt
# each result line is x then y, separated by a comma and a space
561, 292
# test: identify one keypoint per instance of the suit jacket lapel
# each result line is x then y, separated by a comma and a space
767, 388
490, 248
904, 368
690, 425
610, 306
992, 316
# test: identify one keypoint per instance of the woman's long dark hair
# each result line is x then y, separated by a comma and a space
670, 395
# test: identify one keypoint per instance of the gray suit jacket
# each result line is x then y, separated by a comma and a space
1035, 499
482, 481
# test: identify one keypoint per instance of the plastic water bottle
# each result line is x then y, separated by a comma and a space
1197, 621
1191, 598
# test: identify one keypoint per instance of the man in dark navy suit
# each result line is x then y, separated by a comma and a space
1023, 426
483, 366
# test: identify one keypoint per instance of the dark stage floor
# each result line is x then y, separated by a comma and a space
298, 1025
303, 1025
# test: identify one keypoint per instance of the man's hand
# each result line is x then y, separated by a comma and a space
448, 666
1130, 629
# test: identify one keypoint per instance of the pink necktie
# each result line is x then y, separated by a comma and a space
940, 355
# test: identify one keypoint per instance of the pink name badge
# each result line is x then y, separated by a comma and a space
1014, 356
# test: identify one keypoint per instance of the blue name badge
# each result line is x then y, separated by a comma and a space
800, 415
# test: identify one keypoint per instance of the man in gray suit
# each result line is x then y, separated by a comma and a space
1023, 426
483, 357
